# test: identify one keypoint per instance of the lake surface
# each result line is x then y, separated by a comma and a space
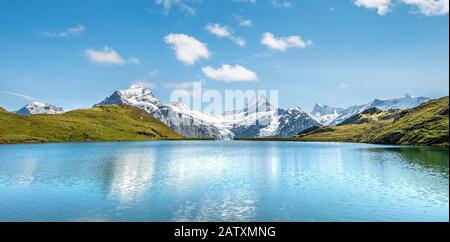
222, 181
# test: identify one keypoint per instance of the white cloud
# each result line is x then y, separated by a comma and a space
187, 49
430, 7
219, 30
228, 73
245, 23
426, 7
274, 3
108, 56
281, 4
29, 98
239, 41
245, 1
73, 31
152, 74
284, 43
145, 84
145, 81
382, 6
168, 4
343, 85
225, 32
134, 60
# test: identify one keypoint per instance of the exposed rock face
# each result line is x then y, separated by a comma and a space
293, 121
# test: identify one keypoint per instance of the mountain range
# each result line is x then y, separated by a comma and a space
258, 119
328, 115
426, 124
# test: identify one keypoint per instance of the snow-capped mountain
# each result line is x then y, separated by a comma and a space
405, 102
267, 121
293, 121
257, 119
178, 117
327, 115
40, 108
348, 112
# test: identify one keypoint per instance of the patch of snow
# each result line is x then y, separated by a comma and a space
40, 108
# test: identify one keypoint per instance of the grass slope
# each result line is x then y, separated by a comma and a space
427, 124
106, 123
2, 110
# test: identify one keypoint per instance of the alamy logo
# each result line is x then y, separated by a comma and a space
230, 106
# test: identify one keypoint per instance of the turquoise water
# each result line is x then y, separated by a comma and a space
222, 181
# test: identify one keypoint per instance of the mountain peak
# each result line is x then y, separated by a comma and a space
135, 95
404, 102
259, 104
37, 107
296, 109
325, 110
136, 86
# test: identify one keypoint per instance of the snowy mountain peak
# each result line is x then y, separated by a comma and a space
263, 104
256, 105
405, 102
325, 110
256, 119
40, 108
260, 104
295, 110
328, 115
135, 95
136, 86
177, 116
325, 114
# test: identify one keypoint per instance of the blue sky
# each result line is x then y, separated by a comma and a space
74, 53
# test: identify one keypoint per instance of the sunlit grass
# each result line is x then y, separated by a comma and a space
107, 123
427, 124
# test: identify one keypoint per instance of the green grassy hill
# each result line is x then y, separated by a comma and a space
107, 123
427, 124
2, 110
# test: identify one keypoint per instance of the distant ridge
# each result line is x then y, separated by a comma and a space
328, 115
40, 108
426, 124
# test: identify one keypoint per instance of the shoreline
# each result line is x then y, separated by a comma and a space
335, 141
212, 140
103, 141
